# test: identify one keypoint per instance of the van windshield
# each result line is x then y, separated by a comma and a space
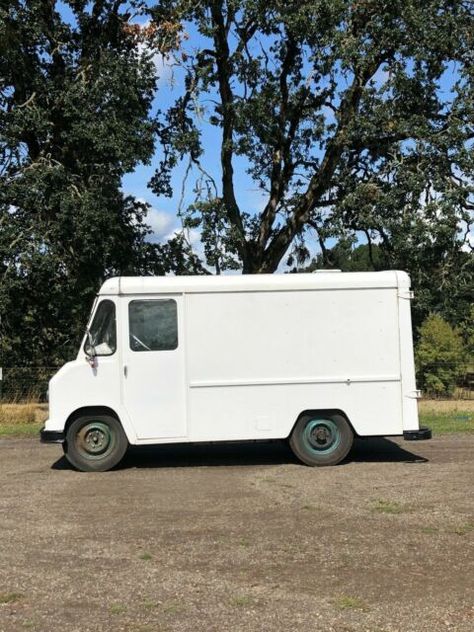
102, 331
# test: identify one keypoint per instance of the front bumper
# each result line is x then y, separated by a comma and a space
417, 435
52, 436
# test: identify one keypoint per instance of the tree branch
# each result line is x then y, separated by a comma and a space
320, 181
281, 154
224, 72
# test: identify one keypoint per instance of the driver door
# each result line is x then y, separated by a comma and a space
154, 376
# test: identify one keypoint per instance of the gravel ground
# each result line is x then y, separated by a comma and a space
239, 538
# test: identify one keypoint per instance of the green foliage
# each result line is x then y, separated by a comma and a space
439, 356
344, 256
466, 330
75, 99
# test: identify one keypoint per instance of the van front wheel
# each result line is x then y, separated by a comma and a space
95, 443
321, 439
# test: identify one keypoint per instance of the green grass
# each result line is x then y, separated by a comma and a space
242, 601
463, 529
10, 597
387, 506
171, 607
345, 602
443, 423
145, 556
117, 608
20, 430
429, 530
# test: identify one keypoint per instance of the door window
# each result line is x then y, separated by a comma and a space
153, 325
103, 336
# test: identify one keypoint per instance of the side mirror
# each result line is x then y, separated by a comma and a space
90, 350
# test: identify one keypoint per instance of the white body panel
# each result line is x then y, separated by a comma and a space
253, 353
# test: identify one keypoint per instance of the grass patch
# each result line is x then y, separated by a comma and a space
387, 507
171, 608
242, 601
145, 556
446, 405
10, 597
22, 420
345, 602
429, 530
28, 413
448, 422
463, 529
20, 430
117, 608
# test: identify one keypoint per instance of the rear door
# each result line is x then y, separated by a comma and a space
154, 366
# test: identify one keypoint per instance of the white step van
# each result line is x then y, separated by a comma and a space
313, 358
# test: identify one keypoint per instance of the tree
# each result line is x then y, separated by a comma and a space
439, 356
466, 329
353, 118
347, 256
75, 98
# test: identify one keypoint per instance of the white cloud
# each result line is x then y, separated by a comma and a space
163, 63
160, 222
193, 236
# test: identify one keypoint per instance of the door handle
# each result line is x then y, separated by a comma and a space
125, 370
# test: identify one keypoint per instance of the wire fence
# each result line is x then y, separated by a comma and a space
25, 384
439, 381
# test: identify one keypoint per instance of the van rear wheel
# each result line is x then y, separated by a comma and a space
95, 443
321, 438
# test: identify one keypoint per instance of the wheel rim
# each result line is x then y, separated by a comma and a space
95, 440
321, 436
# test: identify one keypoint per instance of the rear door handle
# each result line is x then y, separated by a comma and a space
125, 370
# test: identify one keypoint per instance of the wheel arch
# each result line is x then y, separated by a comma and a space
323, 411
91, 410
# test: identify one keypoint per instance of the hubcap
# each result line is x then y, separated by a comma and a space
94, 439
321, 436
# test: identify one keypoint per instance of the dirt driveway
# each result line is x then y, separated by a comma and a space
239, 538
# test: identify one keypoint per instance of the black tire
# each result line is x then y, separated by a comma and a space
95, 443
321, 438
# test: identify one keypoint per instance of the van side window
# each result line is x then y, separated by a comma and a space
103, 331
153, 325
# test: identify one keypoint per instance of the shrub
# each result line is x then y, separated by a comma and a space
466, 329
439, 356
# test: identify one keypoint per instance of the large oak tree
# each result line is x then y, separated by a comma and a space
353, 118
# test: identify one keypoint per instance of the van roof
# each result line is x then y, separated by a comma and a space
254, 282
